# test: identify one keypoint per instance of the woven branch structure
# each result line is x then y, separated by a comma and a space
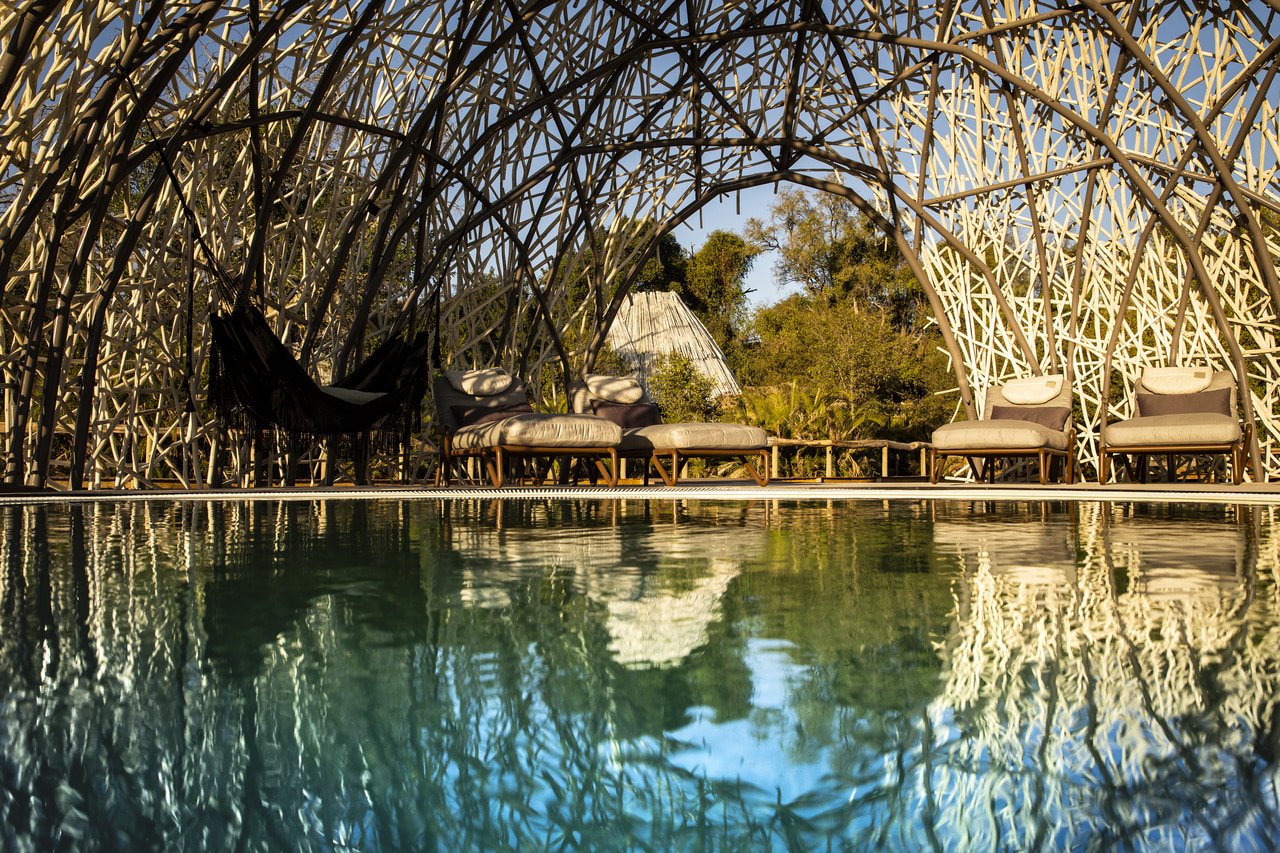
1086, 188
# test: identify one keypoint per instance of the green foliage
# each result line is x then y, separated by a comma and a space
793, 411
683, 393
666, 269
714, 289
834, 252
838, 356
854, 355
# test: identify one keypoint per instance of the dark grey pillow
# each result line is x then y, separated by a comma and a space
627, 415
1215, 402
1051, 417
472, 415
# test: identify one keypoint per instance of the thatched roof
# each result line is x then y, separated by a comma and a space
650, 325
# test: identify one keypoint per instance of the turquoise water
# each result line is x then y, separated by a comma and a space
638, 675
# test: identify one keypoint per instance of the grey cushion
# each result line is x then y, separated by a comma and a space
540, 430
1004, 434
1033, 390
445, 397
581, 398
1176, 380
1053, 417
627, 416
615, 389
1217, 401
480, 383
1220, 379
1173, 431
468, 415
995, 397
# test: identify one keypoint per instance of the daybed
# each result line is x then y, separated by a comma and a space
623, 401
485, 413
1022, 418
1181, 411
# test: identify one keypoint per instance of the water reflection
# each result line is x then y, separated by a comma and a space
637, 675
659, 570
1132, 707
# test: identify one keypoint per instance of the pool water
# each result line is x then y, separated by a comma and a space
554, 674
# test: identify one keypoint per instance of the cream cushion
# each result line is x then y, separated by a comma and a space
1033, 390
1176, 380
1173, 431
696, 436
615, 389
998, 435
479, 383
540, 430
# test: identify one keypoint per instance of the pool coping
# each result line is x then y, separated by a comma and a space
726, 490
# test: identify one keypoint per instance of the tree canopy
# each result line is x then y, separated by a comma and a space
833, 251
858, 336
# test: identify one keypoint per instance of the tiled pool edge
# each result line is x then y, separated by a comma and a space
1248, 493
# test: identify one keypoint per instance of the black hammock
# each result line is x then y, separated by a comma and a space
256, 382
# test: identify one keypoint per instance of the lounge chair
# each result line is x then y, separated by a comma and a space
1181, 411
644, 436
486, 414
1022, 418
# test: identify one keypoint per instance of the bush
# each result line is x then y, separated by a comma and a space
683, 393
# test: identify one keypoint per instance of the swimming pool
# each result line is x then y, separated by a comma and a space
639, 675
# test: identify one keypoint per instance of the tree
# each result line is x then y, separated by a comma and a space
858, 341
886, 376
833, 251
715, 290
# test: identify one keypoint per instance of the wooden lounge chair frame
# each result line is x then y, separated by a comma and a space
669, 462
495, 457
987, 471
758, 471
1143, 452
1138, 470
1045, 455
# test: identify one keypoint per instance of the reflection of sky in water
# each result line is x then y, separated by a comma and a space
491, 675
760, 750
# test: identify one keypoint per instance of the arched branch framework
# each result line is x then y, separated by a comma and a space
1086, 187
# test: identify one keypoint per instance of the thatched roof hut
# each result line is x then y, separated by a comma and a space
650, 325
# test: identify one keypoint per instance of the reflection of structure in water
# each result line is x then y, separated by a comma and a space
1166, 556
214, 676
1116, 697
999, 539
660, 591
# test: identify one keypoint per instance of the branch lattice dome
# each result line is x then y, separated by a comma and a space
1087, 188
